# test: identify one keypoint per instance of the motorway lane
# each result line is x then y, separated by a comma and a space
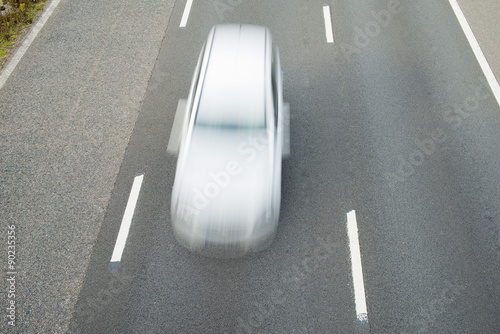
66, 114
428, 231
423, 226
173, 290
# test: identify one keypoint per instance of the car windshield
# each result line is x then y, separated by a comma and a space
231, 121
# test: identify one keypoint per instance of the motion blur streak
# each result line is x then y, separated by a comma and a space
227, 188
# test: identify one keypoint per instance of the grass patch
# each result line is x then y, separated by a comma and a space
16, 16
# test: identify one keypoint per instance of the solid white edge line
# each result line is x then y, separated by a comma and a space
127, 219
27, 42
185, 15
328, 24
488, 73
357, 270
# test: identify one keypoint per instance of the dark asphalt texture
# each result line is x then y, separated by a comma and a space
394, 120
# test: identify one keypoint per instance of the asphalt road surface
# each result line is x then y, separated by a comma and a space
394, 121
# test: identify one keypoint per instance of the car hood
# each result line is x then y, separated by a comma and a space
225, 178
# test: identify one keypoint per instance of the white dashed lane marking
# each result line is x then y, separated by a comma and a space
328, 23
357, 271
126, 222
185, 15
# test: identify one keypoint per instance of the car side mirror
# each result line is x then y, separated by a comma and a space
177, 128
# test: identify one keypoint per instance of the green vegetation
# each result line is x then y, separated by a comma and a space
16, 16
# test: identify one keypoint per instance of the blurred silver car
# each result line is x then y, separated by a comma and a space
233, 131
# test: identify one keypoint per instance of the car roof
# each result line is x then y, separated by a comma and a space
234, 84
